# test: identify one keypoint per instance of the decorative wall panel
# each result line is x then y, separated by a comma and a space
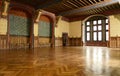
19, 25
75, 41
58, 41
42, 42
17, 42
115, 42
3, 42
44, 29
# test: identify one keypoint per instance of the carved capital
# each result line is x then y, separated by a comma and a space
5, 8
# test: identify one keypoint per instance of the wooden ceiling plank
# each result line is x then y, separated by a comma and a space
99, 0
118, 6
89, 12
95, 1
91, 1
76, 3
79, 3
112, 6
86, 1
97, 10
59, 7
72, 4
49, 3
109, 7
68, 6
94, 6
82, 2
105, 8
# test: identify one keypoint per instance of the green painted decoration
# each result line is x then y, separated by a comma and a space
19, 25
44, 29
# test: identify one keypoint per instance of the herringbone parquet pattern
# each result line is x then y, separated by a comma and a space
67, 61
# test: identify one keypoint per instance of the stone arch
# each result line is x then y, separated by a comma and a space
51, 18
93, 16
25, 14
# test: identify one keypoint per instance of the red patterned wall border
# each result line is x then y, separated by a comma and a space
30, 10
44, 18
19, 12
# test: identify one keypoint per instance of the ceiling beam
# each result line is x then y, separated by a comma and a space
72, 4
86, 8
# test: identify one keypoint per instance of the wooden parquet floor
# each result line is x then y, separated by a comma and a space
61, 61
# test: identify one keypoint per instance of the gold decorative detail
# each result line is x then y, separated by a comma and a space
5, 8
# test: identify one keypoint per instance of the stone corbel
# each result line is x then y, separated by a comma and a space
5, 8
58, 20
38, 16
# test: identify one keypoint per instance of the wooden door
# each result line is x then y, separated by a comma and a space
65, 39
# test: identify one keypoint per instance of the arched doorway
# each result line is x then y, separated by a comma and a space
96, 31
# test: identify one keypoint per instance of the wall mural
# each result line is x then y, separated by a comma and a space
44, 29
19, 26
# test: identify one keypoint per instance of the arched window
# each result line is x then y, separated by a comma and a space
97, 31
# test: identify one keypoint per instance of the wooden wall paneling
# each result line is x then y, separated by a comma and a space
75, 41
115, 42
44, 41
18, 42
118, 42
58, 41
3, 42
36, 43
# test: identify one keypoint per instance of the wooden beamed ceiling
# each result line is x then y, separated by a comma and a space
68, 5
74, 9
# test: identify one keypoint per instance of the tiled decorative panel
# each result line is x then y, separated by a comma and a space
19, 25
44, 29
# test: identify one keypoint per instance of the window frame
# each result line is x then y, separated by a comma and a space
104, 22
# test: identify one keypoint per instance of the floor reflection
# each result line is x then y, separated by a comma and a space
98, 61
61, 61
